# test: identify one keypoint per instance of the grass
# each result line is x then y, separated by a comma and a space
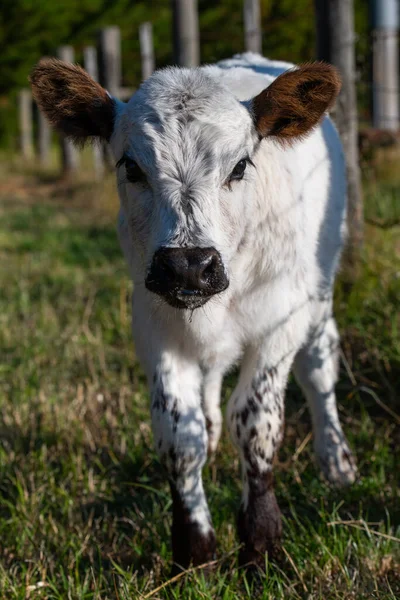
84, 506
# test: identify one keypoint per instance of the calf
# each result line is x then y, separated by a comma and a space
232, 188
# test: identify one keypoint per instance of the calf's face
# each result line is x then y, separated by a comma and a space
184, 149
185, 145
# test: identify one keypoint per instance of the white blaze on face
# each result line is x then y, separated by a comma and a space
187, 133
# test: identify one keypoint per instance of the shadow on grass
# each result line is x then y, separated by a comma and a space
121, 521
135, 507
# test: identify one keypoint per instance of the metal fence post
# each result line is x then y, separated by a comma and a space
252, 26
186, 33
385, 64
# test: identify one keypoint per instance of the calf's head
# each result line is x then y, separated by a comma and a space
185, 153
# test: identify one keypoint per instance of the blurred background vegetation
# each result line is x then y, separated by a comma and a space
30, 30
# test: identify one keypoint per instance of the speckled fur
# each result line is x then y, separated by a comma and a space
279, 233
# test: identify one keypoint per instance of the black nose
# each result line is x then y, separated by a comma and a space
187, 277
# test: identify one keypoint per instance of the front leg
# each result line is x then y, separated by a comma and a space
255, 417
181, 441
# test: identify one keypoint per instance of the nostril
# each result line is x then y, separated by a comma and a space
168, 269
210, 268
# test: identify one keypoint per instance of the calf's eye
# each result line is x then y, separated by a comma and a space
238, 171
134, 173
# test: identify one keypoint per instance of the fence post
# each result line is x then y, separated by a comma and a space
186, 33
68, 151
44, 139
110, 59
146, 49
25, 123
110, 73
336, 44
385, 64
252, 26
90, 64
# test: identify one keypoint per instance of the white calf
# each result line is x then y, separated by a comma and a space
232, 221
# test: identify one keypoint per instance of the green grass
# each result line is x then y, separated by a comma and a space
84, 505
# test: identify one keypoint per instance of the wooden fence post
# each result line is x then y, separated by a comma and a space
336, 44
252, 26
110, 72
385, 64
110, 59
25, 123
186, 33
90, 64
146, 49
69, 152
44, 139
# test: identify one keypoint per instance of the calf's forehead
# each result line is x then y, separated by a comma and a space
184, 111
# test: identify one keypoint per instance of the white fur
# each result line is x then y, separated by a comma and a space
279, 232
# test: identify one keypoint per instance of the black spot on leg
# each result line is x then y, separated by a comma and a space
172, 455
175, 413
273, 372
245, 415
161, 400
252, 405
238, 431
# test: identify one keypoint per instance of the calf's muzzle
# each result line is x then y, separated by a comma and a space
187, 277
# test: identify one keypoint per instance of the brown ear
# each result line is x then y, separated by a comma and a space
296, 101
72, 101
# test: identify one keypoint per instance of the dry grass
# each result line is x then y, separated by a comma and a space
84, 507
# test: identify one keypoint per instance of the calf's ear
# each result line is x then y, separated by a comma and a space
296, 101
72, 101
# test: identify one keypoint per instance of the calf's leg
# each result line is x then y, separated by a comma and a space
180, 434
211, 407
255, 418
316, 370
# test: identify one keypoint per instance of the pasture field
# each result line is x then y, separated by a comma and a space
84, 506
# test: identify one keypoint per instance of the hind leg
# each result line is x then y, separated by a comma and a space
316, 370
212, 383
